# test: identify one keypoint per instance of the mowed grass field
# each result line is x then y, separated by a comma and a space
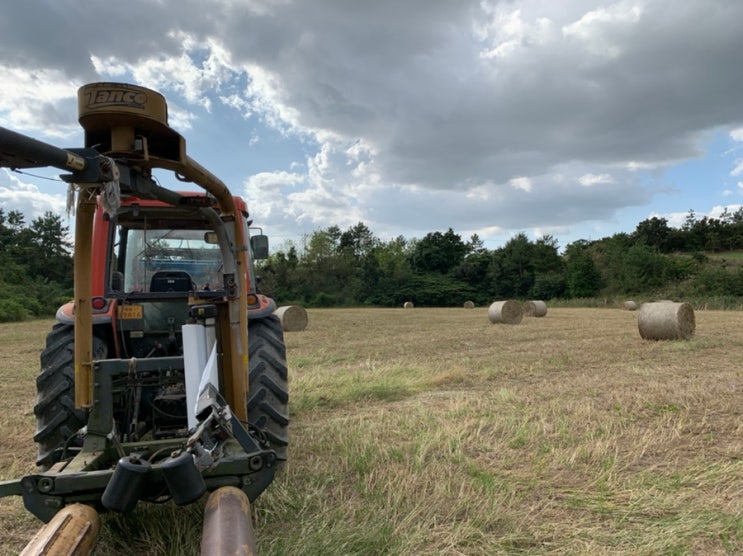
432, 431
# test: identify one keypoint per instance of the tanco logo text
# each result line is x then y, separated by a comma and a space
118, 97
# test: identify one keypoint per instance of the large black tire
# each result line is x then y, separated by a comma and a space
268, 397
56, 417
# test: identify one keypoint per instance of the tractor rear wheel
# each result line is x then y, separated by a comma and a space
57, 420
268, 396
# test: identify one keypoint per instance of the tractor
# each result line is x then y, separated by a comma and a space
165, 378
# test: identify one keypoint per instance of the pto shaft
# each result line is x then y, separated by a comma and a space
228, 529
72, 531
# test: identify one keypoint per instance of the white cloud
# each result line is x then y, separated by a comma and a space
266, 98
598, 29
635, 166
717, 210
677, 219
413, 116
200, 67
16, 194
37, 101
589, 180
506, 32
268, 183
522, 183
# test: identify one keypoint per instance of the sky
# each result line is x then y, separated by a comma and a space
576, 119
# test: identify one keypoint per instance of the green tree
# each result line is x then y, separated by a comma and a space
549, 269
643, 269
396, 281
438, 252
608, 256
512, 268
358, 241
653, 232
35, 265
357, 245
52, 249
326, 276
582, 279
278, 275
322, 245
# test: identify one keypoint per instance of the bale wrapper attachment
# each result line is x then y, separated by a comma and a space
122, 456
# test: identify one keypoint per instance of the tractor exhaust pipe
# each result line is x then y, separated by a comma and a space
72, 530
228, 529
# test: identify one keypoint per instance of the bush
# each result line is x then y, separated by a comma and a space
548, 285
12, 310
714, 281
323, 299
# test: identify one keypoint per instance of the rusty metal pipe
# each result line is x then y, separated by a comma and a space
73, 531
228, 529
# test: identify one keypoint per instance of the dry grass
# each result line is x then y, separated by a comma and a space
20, 345
434, 432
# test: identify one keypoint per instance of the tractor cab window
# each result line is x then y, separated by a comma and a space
160, 260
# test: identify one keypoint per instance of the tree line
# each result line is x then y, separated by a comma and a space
353, 267
35, 265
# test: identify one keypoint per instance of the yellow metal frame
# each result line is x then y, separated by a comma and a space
128, 113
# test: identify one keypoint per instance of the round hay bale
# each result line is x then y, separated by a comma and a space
505, 312
407, 305
469, 305
293, 318
666, 320
534, 308
630, 306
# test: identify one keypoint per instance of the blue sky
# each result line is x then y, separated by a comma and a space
577, 119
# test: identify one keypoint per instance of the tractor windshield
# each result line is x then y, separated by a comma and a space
160, 260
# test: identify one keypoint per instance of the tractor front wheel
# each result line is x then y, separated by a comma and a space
268, 396
57, 420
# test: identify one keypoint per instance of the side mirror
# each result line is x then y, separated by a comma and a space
259, 246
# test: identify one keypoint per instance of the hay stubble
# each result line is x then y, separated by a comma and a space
565, 435
433, 432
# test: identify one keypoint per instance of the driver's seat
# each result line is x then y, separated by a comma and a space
171, 281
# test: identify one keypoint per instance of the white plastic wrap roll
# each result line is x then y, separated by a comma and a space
194, 361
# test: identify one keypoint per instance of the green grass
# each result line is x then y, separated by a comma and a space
727, 256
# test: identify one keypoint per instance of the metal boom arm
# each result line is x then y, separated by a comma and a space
20, 151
